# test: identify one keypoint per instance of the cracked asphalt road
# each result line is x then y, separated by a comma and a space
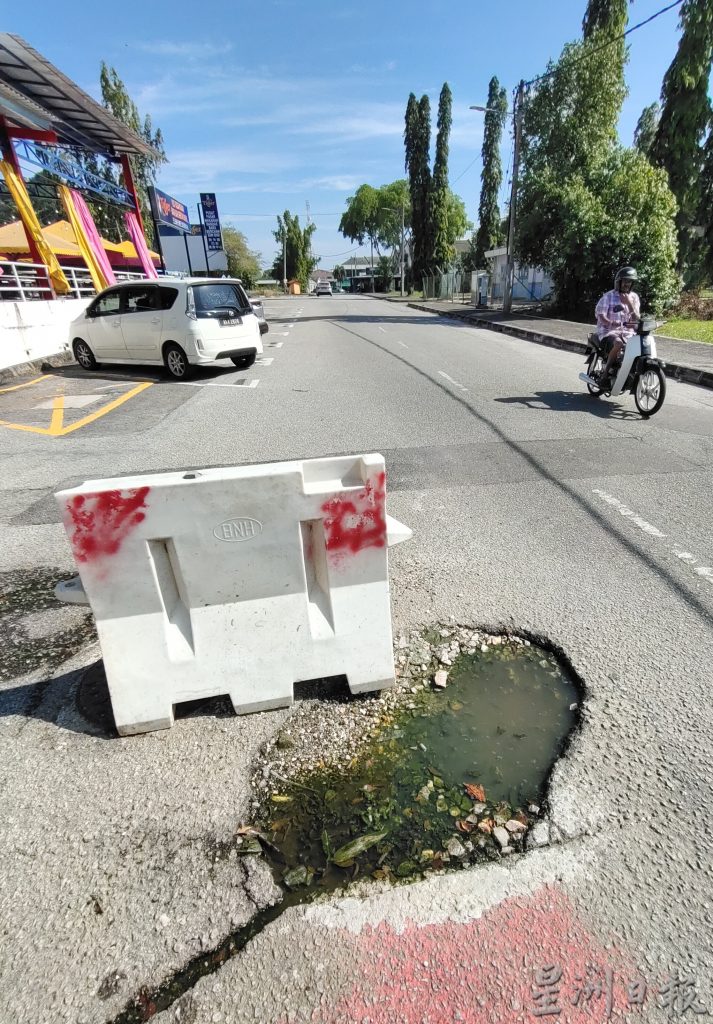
533, 507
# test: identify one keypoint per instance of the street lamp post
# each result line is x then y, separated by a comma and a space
517, 123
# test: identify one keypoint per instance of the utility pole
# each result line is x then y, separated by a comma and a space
284, 259
510, 271
402, 248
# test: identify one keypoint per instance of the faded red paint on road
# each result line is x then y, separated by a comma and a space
354, 522
487, 971
101, 522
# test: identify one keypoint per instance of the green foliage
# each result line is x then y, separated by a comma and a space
491, 176
339, 273
586, 205
360, 221
646, 128
441, 251
580, 229
374, 215
685, 114
570, 118
384, 273
417, 138
608, 15
116, 99
242, 261
298, 242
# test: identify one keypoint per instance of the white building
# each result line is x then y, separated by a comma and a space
531, 283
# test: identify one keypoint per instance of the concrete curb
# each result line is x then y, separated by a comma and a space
678, 371
36, 366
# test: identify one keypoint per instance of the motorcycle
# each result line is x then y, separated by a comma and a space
638, 370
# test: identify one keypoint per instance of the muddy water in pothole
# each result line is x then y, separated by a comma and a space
443, 770
441, 773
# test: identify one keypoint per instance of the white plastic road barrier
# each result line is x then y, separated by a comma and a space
238, 581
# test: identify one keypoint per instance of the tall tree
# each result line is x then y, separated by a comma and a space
441, 253
585, 205
116, 98
685, 113
417, 136
491, 175
646, 128
243, 262
424, 110
297, 247
610, 15
701, 268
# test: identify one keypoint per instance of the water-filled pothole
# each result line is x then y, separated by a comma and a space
446, 777
450, 776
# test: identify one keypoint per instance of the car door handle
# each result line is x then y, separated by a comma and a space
116, 323
155, 319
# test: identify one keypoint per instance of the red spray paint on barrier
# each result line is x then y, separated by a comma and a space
354, 522
101, 522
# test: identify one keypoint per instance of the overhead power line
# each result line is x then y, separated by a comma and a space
610, 42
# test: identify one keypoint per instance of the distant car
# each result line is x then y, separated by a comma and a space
259, 312
323, 288
179, 323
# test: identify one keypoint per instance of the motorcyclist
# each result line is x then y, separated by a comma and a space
618, 313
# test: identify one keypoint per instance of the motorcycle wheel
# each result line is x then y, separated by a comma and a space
594, 366
650, 391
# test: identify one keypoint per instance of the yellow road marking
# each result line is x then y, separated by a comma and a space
56, 428
105, 409
27, 384
57, 415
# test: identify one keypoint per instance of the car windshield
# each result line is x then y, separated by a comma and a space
209, 297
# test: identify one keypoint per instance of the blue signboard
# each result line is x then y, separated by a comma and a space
61, 164
168, 210
213, 236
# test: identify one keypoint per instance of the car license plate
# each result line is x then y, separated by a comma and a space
233, 322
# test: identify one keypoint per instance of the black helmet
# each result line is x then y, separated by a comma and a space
625, 272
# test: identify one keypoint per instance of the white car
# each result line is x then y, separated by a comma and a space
175, 322
323, 288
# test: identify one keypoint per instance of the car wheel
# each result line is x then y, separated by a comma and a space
243, 362
84, 355
176, 362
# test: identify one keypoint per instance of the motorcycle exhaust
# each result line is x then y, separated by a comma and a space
589, 380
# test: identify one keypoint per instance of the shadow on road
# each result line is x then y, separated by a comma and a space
137, 374
572, 401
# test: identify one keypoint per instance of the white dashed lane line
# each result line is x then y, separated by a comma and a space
450, 380
687, 557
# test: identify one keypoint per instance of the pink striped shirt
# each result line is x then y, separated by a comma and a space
616, 314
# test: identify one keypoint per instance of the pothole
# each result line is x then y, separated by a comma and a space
434, 775
451, 773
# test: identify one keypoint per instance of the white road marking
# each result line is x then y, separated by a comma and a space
403, 345
282, 334
265, 360
381, 329
243, 384
275, 344
624, 510
72, 401
703, 571
450, 380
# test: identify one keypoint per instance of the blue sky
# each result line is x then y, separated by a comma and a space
275, 105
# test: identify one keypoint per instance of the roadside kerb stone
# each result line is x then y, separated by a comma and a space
677, 371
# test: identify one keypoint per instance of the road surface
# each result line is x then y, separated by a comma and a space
534, 507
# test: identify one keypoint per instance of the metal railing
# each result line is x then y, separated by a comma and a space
28, 281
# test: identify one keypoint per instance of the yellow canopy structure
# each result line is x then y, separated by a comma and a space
60, 238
